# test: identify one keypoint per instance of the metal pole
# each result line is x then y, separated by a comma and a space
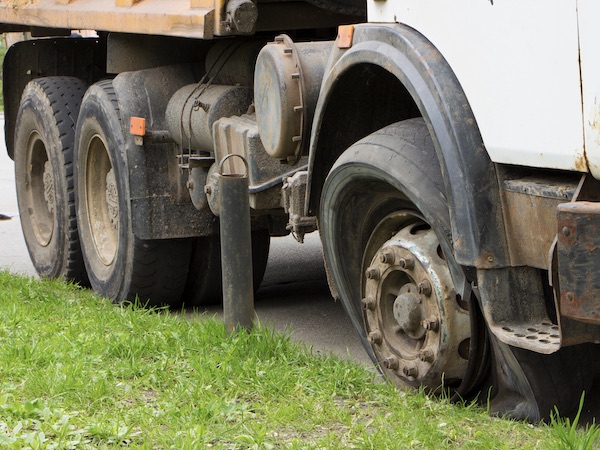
236, 249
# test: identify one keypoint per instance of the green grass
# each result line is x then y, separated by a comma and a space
79, 372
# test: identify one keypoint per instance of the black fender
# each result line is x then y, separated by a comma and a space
470, 179
83, 58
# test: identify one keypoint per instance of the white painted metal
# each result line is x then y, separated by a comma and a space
518, 62
589, 37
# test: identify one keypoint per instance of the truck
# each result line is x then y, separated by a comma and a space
446, 151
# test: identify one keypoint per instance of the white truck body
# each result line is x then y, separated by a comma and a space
518, 63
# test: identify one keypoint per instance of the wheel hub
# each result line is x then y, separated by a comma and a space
102, 201
416, 325
408, 312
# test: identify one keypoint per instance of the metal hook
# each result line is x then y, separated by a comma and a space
232, 174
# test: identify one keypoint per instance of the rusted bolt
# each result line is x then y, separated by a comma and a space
569, 296
490, 259
207, 190
431, 323
426, 355
410, 371
368, 303
407, 263
424, 288
375, 338
391, 363
387, 257
373, 273
190, 185
566, 231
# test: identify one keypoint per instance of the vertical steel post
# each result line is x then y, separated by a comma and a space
236, 249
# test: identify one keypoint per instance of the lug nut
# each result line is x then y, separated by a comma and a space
426, 355
410, 371
431, 323
375, 338
368, 303
407, 263
373, 273
424, 288
390, 363
387, 257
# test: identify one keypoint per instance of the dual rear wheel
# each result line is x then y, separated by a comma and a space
74, 199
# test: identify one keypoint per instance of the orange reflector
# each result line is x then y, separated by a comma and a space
345, 35
137, 126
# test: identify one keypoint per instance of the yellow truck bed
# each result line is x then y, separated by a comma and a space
184, 18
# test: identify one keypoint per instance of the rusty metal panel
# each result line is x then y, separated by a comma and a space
530, 216
579, 260
170, 18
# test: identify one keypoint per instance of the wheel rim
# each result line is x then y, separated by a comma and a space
102, 201
416, 325
40, 190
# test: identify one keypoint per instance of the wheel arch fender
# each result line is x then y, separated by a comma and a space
421, 72
82, 58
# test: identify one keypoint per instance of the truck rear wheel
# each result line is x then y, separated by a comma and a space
409, 300
120, 266
44, 135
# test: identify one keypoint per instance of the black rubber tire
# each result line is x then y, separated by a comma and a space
204, 285
556, 380
393, 169
365, 184
120, 266
44, 136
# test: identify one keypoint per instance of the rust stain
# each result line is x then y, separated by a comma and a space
581, 164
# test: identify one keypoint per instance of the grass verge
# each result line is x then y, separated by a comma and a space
79, 372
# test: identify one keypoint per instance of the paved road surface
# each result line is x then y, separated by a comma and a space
294, 294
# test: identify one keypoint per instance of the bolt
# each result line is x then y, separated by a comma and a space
373, 273
387, 257
490, 259
190, 185
424, 288
207, 190
375, 338
390, 363
410, 371
426, 355
566, 231
368, 303
407, 263
431, 323
569, 296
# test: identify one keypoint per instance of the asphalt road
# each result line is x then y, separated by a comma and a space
293, 296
